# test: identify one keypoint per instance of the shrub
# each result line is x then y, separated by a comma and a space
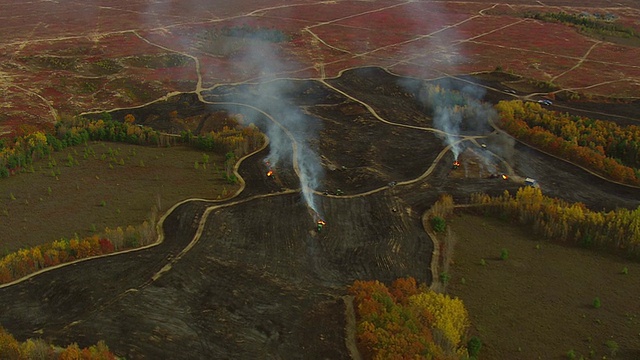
613, 347
587, 240
438, 224
473, 346
504, 254
571, 354
231, 178
596, 302
445, 277
70, 160
625, 270
483, 262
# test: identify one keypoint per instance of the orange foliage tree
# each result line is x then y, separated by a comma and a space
601, 146
26, 261
399, 323
11, 349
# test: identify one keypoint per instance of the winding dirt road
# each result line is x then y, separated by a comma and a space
250, 277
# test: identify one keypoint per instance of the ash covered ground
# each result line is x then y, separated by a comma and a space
252, 277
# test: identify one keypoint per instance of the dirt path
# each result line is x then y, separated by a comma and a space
580, 62
248, 277
258, 13
212, 280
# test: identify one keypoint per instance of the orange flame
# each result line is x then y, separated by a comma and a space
504, 177
322, 222
270, 173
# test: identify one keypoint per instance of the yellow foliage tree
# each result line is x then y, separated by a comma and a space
450, 316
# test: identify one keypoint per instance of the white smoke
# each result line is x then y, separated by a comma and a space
454, 108
291, 132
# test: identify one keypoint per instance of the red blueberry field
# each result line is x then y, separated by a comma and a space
248, 265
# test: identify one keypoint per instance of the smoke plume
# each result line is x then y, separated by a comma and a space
455, 106
456, 112
291, 131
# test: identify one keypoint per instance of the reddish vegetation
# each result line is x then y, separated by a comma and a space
317, 13
592, 73
37, 38
544, 38
388, 30
616, 53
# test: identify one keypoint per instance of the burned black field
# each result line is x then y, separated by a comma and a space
252, 277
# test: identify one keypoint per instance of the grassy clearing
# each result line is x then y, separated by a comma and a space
84, 189
546, 299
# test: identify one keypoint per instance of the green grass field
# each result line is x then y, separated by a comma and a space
83, 189
539, 302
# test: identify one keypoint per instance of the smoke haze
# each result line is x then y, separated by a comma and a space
275, 98
453, 112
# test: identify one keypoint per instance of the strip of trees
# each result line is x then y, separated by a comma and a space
594, 24
12, 349
407, 321
26, 261
603, 147
21, 151
616, 231
233, 140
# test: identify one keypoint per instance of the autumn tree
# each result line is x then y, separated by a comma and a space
616, 230
9, 346
129, 119
601, 146
11, 349
402, 322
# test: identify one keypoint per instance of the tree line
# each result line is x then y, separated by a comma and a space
238, 140
616, 230
26, 261
407, 321
22, 150
603, 147
12, 349
25, 148
585, 23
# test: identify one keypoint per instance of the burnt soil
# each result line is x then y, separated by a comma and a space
260, 281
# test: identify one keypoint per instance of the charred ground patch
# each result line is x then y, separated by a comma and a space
260, 279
